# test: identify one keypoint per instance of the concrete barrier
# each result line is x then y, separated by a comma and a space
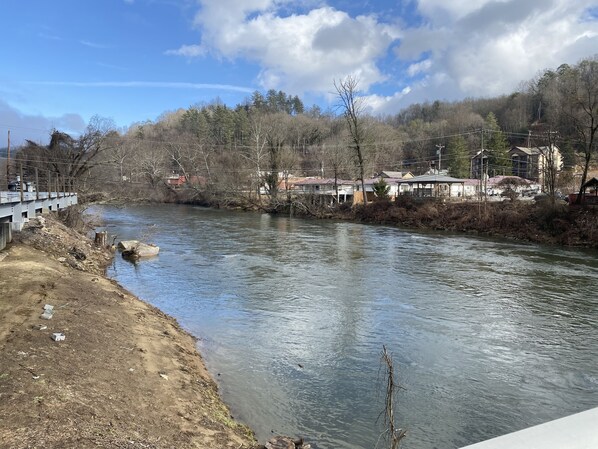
579, 431
5, 234
14, 212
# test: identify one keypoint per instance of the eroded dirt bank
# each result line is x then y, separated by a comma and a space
126, 375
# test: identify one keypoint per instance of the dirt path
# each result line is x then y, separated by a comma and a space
126, 375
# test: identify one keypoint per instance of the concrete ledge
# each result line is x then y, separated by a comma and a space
579, 431
14, 213
17, 226
5, 234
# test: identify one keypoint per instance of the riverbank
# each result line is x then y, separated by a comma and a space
526, 221
125, 376
541, 223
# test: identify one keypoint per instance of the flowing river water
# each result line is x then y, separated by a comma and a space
488, 336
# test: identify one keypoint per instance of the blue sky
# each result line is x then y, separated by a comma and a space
131, 60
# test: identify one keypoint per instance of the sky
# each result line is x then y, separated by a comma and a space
64, 61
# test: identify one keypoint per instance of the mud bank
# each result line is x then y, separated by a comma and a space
125, 376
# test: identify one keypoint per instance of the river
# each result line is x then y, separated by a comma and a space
488, 336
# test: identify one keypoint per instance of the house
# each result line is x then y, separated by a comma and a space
425, 186
325, 190
471, 188
531, 163
497, 185
391, 178
177, 181
394, 175
393, 183
479, 163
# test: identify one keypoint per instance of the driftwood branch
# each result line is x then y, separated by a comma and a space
391, 433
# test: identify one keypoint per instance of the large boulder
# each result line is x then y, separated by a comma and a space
127, 245
147, 250
133, 249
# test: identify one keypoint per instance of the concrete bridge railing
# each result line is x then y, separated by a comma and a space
16, 208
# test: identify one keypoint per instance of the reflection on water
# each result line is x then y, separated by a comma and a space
489, 337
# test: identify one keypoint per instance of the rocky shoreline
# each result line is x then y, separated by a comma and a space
125, 376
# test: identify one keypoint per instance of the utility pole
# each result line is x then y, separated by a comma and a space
529, 136
481, 168
439, 153
21, 183
8, 162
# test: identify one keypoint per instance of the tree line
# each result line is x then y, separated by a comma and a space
238, 152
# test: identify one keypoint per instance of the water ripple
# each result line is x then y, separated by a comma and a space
488, 336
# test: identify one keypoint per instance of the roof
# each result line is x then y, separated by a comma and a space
372, 181
321, 181
391, 174
526, 150
481, 153
432, 179
516, 179
471, 182
591, 183
535, 150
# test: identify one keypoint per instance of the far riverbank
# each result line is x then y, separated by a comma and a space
524, 221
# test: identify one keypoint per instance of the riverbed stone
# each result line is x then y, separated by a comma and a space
280, 443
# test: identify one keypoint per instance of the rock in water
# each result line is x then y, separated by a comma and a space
133, 249
127, 245
280, 443
146, 250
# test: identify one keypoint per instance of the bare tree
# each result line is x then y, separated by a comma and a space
576, 98
353, 110
67, 157
550, 161
334, 159
289, 160
275, 142
255, 152
332, 154
152, 163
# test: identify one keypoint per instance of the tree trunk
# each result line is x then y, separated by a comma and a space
101, 238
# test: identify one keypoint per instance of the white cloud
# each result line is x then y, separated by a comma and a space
189, 51
443, 10
297, 52
459, 48
419, 67
488, 48
36, 127
143, 84
380, 104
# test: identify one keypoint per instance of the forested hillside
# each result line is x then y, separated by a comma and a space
229, 152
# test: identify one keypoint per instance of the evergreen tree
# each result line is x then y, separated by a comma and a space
222, 125
257, 100
381, 189
499, 162
194, 122
297, 105
241, 126
458, 158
